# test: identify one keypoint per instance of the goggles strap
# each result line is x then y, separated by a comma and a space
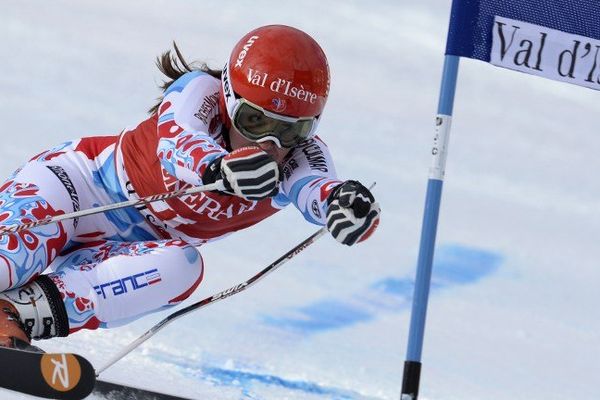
230, 100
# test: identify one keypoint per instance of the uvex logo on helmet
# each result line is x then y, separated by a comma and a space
245, 48
275, 66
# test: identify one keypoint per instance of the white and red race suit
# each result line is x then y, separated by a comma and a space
114, 267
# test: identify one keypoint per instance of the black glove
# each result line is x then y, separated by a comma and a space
247, 172
353, 214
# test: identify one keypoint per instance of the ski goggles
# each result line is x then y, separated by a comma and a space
258, 125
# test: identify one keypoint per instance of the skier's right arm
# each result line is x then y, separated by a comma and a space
187, 116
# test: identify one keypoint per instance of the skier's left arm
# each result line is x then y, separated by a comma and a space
310, 182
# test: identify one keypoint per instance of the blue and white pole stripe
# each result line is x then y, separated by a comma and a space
439, 151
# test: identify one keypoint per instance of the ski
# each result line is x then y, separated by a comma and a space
49, 375
113, 390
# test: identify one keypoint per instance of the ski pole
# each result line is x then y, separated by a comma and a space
213, 299
96, 210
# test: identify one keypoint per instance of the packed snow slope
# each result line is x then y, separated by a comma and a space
514, 304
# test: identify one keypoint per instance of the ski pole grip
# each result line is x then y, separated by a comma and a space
219, 185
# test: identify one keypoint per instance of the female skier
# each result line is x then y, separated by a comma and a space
251, 126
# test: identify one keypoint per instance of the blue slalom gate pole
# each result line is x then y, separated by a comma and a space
412, 365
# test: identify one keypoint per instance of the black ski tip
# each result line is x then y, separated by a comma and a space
49, 375
68, 376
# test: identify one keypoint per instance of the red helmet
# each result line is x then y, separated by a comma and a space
282, 72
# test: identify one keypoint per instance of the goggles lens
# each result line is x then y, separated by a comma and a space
255, 123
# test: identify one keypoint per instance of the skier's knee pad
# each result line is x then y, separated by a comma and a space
184, 272
40, 308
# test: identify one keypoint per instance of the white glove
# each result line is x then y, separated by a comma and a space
248, 172
353, 214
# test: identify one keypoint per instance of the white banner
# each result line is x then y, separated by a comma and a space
538, 50
439, 150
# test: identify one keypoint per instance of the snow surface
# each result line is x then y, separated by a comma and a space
514, 307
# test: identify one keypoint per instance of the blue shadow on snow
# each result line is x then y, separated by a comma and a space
454, 265
247, 380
